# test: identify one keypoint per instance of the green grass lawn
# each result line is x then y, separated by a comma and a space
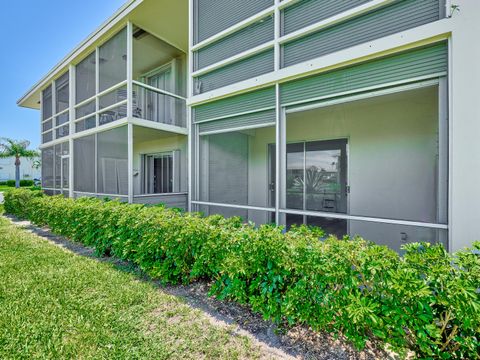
56, 304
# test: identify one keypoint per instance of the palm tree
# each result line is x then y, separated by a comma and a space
17, 149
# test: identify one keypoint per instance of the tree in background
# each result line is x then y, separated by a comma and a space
18, 149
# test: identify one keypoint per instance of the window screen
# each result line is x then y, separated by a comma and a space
62, 93
112, 161
47, 103
47, 167
84, 164
113, 61
85, 78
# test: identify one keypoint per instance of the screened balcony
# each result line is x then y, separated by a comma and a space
131, 77
119, 112
373, 166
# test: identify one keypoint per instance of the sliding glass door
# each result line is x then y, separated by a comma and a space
316, 180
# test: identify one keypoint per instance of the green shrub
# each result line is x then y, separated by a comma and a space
20, 202
24, 182
427, 301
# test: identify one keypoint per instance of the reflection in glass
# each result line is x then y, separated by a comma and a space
325, 172
295, 175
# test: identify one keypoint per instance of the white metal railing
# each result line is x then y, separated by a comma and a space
158, 105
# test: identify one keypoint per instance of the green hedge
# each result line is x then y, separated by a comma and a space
426, 301
11, 183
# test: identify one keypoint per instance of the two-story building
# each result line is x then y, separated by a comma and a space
358, 116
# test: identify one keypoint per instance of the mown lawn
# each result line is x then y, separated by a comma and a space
56, 304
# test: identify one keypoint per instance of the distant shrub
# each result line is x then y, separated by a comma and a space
427, 301
24, 182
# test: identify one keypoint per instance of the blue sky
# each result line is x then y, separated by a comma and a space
36, 35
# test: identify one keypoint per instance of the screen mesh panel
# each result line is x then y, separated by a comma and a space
212, 16
86, 124
391, 235
62, 93
153, 106
85, 110
244, 69
58, 166
234, 167
112, 161
48, 136
47, 167
255, 217
85, 79
47, 103
113, 61
242, 40
423, 62
84, 164
47, 125
400, 16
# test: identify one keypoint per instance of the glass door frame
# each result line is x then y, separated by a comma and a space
342, 144
62, 173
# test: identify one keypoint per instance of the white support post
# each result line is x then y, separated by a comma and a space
129, 70
71, 114
54, 111
191, 140
130, 108
282, 168
97, 86
130, 162
443, 150
278, 141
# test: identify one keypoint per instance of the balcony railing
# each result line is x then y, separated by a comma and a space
152, 104
148, 103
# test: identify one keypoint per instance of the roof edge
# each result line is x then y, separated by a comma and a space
120, 14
